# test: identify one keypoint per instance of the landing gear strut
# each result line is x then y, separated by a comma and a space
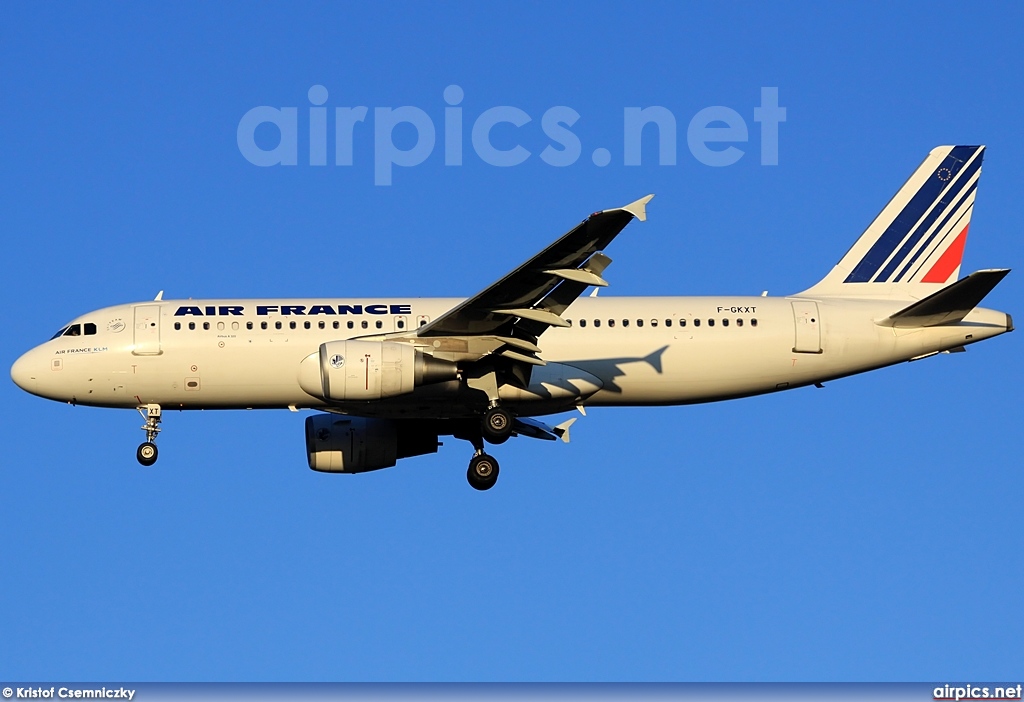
147, 452
496, 425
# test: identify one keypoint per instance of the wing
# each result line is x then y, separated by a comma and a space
517, 309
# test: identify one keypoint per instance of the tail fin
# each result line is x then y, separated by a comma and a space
915, 245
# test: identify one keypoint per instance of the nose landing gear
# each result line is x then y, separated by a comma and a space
147, 453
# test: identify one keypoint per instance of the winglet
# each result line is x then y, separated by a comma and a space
638, 208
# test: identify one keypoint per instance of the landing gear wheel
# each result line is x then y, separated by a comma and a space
496, 425
146, 453
483, 472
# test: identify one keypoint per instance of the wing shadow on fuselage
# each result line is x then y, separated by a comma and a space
609, 369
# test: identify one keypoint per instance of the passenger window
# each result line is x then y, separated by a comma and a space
263, 325
611, 322
351, 324
725, 322
668, 322
682, 322
220, 326
277, 325
639, 322
322, 324
177, 326
380, 324
206, 326
234, 326
625, 322
365, 324
248, 325
337, 324
711, 322
423, 322
401, 324
291, 325
191, 326
696, 322
753, 322
739, 322
90, 329
597, 322
654, 322
306, 325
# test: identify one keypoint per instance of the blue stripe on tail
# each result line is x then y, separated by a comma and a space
911, 214
942, 206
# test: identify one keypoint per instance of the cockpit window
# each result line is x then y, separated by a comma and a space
87, 329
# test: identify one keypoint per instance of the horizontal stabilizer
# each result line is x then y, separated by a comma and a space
949, 305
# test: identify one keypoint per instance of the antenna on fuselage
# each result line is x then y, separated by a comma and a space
159, 296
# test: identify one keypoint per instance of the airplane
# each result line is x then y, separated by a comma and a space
390, 376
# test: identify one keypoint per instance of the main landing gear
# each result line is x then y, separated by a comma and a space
147, 452
496, 425
483, 471
495, 428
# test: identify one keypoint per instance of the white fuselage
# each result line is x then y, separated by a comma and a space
204, 354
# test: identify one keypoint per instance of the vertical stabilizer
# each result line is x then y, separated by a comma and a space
916, 243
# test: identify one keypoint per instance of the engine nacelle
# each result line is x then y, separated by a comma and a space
370, 370
340, 444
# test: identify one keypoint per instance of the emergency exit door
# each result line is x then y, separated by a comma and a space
808, 327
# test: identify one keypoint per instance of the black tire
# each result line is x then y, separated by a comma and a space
147, 453
496, 425
483, 472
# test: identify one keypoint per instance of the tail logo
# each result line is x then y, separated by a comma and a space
935, 218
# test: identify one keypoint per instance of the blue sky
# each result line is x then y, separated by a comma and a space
867, 531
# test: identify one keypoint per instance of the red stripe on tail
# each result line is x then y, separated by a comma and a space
949, 261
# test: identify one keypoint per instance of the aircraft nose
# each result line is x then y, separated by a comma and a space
24, 372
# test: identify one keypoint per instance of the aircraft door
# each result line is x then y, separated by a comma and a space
147, 330
808, 326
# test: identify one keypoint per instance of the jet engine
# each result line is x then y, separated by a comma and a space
370, 370
341, 444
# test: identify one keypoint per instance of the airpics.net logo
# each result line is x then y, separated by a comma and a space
715, 136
